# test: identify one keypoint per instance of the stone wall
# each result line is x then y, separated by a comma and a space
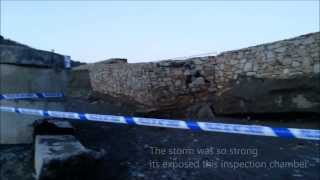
281, 60
282, 76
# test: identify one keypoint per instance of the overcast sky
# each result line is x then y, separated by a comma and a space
149, 31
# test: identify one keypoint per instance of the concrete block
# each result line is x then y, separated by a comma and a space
64, 157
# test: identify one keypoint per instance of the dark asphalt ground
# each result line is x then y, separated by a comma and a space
134, 152
149, 153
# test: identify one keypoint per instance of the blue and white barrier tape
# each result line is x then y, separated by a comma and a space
32, 95
310, 134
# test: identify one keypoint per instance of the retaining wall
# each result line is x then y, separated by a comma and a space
27, 70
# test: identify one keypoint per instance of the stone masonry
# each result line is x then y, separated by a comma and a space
282, 76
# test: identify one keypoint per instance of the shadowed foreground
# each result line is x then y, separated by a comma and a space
140, 153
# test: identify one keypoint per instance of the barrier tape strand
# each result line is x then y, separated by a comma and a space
43, 95
309, 134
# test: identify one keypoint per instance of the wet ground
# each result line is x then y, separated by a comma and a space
149, 153
16, 162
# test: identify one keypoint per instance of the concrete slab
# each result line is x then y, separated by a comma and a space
64, 157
